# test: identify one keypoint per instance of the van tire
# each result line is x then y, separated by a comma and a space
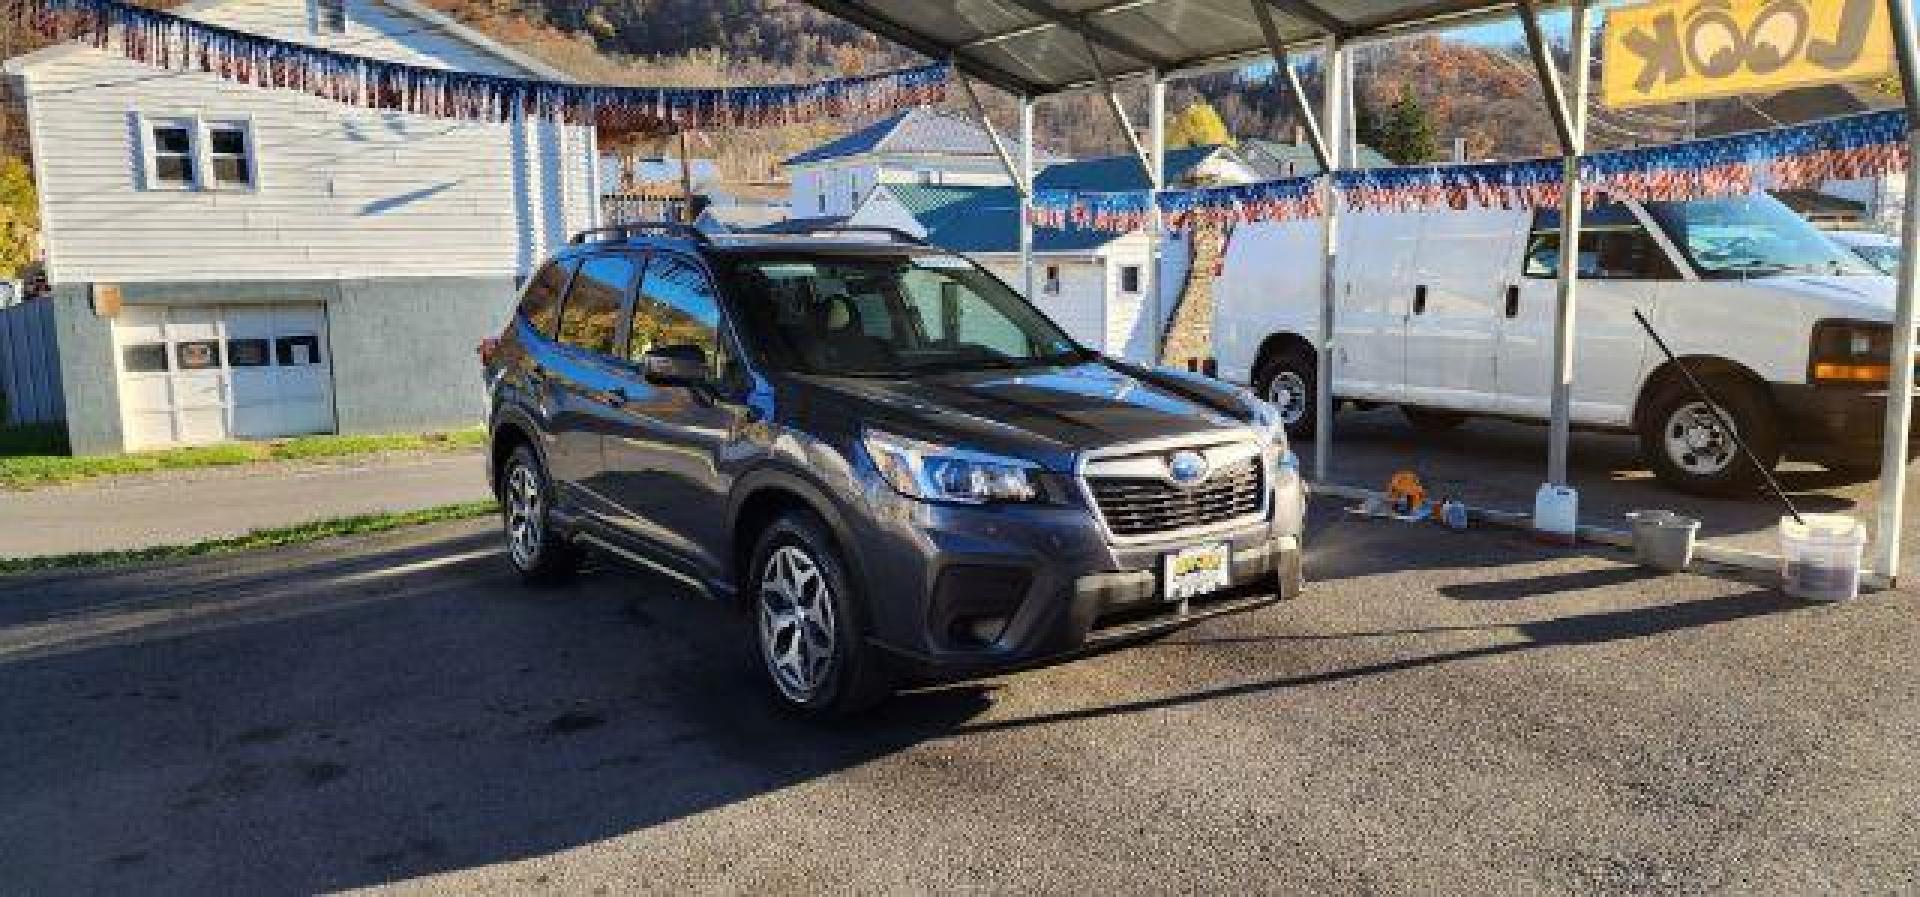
1290, 380
1432, 420
1673, 430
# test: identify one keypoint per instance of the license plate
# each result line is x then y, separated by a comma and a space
1195, 571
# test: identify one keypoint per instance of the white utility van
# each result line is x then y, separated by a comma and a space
1449, 314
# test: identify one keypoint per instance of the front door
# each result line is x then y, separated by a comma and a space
1622, 268
667, 468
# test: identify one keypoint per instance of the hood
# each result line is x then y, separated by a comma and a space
1865, 297
1045, 415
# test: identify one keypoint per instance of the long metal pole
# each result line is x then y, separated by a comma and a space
1570, 122
1156, 180
1899, 423
1333, 119
1025, 186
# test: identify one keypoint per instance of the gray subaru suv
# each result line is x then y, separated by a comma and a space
901, 470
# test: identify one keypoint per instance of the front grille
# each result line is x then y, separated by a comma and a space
1141, 506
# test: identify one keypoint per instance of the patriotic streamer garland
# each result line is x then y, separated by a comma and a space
1857, 146
180, 44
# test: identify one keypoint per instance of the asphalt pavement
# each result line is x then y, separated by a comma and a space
182, 506
1464, 713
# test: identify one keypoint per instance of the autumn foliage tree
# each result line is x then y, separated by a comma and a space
1197, 124
19, 216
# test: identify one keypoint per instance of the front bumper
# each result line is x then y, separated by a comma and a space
1833, 424
966, 591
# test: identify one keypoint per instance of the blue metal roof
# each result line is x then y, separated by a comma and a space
1116, 173
986, 219
918, 130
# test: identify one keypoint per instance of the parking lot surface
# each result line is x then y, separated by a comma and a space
1465, 713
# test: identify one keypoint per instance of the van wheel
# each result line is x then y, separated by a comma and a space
1431, 420
1690, 451
810, 623
1288, 381
537, 552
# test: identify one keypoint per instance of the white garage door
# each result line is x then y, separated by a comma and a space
199, 374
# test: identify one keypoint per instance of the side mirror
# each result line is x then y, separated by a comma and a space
676, 366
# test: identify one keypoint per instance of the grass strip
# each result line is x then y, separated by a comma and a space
37, 461
260, 538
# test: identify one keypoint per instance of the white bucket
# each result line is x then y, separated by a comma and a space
1556, 513
1820, 559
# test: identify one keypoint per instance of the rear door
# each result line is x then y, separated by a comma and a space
1622, 267
667, 462
583, 379
1464, 262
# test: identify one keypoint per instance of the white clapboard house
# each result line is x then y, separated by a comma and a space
232, 262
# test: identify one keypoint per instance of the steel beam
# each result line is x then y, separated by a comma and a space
1087, 29
993, 134
1119, 113
1900, 381
1569, 116
1156, 244
1308, 12
1333, 117
1315, 139
1026, 195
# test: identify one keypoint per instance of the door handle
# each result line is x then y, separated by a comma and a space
1420, 299
617, 396
1513, 301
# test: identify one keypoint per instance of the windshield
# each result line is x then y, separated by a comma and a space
1885, 258
1751, 236
892, 317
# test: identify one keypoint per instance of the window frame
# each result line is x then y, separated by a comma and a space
318, 16
200, 155
1138, 276
1675, 271
149, 128
1052, 279
639, 261
250, 153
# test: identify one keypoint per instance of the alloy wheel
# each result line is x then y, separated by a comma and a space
1288, 392
1696, 441
797, 624
526, 517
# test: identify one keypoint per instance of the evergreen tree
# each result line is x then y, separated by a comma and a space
1408, 137
1368, 129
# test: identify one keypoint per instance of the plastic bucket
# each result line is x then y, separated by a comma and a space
1663, 540
1820, 560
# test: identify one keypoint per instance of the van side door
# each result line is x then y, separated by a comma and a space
1375, 266
582, 378
669, 464
1454, 307
1622, 267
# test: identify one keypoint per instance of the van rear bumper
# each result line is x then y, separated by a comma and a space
1839, 425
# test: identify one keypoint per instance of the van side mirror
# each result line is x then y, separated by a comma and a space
675, 366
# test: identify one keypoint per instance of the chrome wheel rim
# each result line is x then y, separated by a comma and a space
526, 520
1288, 392
1696, 442
797, 625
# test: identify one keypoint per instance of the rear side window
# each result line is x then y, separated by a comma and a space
591, 315
1614, 245
541, 304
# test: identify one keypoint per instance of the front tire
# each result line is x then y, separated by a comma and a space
1688, 449
1290, 381
537, 552
810, 623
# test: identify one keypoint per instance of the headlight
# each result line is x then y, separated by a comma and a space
931, 472
1851, 352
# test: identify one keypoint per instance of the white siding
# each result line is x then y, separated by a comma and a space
882, 210
1080, 308
1130, 333
340, 191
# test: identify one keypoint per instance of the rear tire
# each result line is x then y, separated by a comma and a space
1290, 380
1687, 450
536, 551
1432, 420
810, 624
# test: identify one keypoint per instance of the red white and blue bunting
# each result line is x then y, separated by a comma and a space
1869, 145
180, 44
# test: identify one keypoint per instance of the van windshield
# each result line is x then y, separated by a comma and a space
891, 317
1752, 236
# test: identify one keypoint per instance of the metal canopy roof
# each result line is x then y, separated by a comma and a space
1039, 47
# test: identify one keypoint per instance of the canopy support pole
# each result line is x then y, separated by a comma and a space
1119, 113
1024, 179
1337, 156
1156, 238
1900, 381
1570, 123
993, 133
1316, 139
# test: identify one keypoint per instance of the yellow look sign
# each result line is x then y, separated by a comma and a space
1673, 50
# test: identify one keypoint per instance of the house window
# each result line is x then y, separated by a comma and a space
929, 178
172, 166
822, 204
1130, 278
230, 154
1051, 286
330, 16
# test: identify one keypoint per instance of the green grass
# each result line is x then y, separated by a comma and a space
263, 538
34, 456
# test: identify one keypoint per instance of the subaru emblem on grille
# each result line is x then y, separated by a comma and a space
1186, 468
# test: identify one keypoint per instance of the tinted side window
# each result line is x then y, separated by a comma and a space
591, 316
677, 306
1613, 246
541, 302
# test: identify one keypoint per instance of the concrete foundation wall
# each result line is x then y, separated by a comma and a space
87, 378
403, 351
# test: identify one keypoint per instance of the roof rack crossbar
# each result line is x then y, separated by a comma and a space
628, 231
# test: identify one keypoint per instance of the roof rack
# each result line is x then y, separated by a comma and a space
629, 231
893, 233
